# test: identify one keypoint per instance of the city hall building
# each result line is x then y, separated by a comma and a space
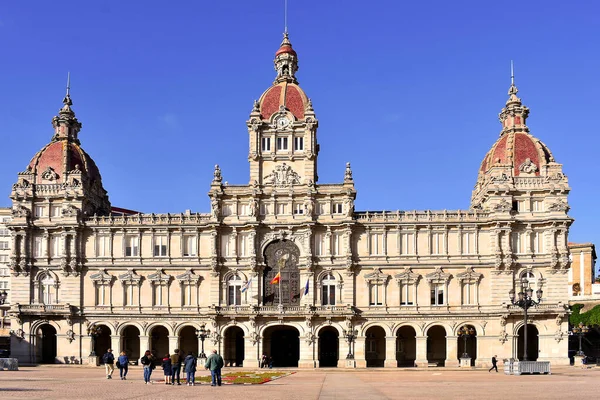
355, 288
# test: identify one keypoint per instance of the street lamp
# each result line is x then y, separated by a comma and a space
465, 332
94, 331
580, 330
350, 335
3, 297
202, 334
525, 301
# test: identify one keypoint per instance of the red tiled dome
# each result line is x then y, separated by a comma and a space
515, 149
61, 155
285, 48
287, 94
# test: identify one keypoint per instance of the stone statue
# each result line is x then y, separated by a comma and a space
308, 207
348, 173
349, 207
217, 178
214, 205
252, 207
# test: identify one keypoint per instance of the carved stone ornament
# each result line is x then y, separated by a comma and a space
217, 177
559, 205
500, 178
282, 175
528, 167
49, 174
503, 206
558, 335
19, 334
348, 173
70, 211
20, 211
70, 335
503, 337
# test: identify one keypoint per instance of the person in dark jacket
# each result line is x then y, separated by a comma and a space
147, 361
189, 367
123, 365
176, 360
109, 363
494, 364
167, 368
215, 362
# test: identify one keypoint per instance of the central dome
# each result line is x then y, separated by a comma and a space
286, 94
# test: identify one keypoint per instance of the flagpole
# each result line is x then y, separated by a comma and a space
279, 284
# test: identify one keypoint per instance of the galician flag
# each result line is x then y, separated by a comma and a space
306, 288
247, 285
276, 280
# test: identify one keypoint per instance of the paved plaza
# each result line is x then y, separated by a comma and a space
54, 382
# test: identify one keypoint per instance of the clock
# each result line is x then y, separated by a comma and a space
282, 122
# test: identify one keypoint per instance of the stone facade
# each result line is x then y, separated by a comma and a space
582, 276
390, 288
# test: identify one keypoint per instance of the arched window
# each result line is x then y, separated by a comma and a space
530, 278
48, 289
328, 290
234, 291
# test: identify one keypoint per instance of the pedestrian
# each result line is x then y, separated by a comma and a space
189, 366
214, 362
123, 365
263, 361
167, 367
494, 364
270, 362
147, 361
176, 361
109, 363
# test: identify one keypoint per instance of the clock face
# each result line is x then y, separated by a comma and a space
283, 122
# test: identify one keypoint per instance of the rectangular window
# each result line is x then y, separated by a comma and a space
538, 205
3, 258
437, 294
298, 209
131, 246
39, 211
55, 211
242, 245
376, 294
517, 243
376, 244
4, 232
226, 210
281, 209
266, 144
38, 247
103, 246
298, 144
406, 294
338, 208
318, 244
437, 243
322, 209
466, 242
235, 295
469, 294
6, 219
282, 143
335, 244
407, 243
3, 245
328, 295
538, 243
160, 246
130, 295
264, 209
189, 246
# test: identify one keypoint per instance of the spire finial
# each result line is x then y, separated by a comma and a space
285, 17
68, 83
512, 73
67, 100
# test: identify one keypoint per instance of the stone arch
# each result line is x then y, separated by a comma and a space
281, 344
540, 327
291, 324
437, 323
233, 350
109, 325
385, 327
272, 237
326, 271
228, 325
37, 324
122, 326
151, 326
181, 326
394, 330
338, 327
281, 256
480, 331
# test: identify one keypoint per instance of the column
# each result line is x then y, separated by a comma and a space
390, 352
144, 344
251, 352
115, 344
307, 352
344, 348
88, 344
451, 351
359, 352
421, 360
173, 344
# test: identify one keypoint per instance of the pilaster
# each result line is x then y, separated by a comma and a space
421, 343
390, 352
451, 351
359, 352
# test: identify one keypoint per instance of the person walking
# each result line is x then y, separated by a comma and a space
494, 364
123, 365
167, 368
176, 361
189, 367
109, 363
214, 362
263, 361
147, 361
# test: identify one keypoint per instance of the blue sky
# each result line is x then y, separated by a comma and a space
409, 92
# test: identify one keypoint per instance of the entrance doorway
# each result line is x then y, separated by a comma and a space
533, 345
328, 347
234, 347
102, 342
131, 342
436, 345
282, 343
46, 336
159, 344
188, 341
375, 347
406, 346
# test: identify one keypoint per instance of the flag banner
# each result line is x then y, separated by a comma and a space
277, 278
306, 287
247, 285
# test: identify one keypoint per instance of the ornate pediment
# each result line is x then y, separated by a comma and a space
282, 175
159, 276
438, 276
469, 276
528, 167
130, 277
407, 276
49, 174
188, 277
101, 277
377, 276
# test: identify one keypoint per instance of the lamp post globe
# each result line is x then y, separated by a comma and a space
580, 330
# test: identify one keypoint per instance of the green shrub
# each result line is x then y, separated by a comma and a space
589, 318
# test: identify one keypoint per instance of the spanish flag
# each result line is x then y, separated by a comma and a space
276, 280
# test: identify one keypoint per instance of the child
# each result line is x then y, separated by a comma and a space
167, 368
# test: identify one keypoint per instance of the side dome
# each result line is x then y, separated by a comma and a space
286, 94
58, 157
